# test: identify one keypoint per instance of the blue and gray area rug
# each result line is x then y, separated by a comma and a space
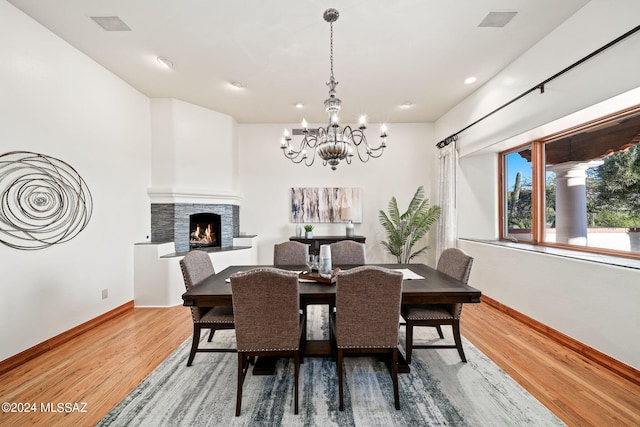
439, 391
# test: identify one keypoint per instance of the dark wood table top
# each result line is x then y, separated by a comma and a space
434, 288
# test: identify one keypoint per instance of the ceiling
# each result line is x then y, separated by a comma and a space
385, 53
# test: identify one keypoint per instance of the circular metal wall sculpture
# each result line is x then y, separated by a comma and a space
43, 201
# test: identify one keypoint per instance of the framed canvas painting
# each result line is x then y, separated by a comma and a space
325, 204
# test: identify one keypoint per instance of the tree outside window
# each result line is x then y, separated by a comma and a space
590, 189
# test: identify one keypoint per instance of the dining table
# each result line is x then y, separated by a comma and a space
421, 284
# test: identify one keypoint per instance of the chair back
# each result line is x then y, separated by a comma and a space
455, 263
266, 308
196, 266
348, 252
290, 253
368, 307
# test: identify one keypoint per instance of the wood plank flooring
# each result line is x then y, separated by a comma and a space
577, 390
103, 365
99, 367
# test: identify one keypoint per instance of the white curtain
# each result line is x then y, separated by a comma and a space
447, 226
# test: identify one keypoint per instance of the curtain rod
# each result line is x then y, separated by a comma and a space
540, 86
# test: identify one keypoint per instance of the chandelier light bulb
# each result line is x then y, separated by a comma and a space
304, 124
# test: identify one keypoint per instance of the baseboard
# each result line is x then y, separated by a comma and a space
30, 353
619, 368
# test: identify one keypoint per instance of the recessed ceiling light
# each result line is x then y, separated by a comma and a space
469, 80
165, 62
406, 104
299, 105
237, 85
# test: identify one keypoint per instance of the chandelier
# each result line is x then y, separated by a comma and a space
332, 143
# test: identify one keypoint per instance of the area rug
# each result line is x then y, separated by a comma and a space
439, 391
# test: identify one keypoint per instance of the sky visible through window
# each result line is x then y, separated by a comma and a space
515, 164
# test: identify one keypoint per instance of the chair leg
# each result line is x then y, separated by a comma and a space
194, 343
440, 334
304, 324
340, 385
394, 376
296, 361
241, 361
211, 335
409, 340
458, 340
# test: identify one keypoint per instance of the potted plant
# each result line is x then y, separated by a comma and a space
308, 231
405, 230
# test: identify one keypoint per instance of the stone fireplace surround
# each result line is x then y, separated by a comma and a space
170, 222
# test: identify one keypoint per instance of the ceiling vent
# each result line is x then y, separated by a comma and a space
497, 19
111, 23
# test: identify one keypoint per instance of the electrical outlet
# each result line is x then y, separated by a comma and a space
105, 293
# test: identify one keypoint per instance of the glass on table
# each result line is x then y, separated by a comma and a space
312, 263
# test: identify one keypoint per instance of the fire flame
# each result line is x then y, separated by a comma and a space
200, 238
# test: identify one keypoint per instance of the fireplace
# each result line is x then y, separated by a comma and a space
173, 222
204, 230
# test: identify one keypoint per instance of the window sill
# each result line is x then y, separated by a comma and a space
567, 253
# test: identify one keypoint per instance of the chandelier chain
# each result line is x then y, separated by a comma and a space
331, 50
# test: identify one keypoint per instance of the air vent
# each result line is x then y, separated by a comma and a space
111, 23
497, 19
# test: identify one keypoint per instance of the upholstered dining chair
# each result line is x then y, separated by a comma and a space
290, 253
196, 266
348, 252
266, 305
455, 263
366, 318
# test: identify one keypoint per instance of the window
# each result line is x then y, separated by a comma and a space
517, 195
578, 189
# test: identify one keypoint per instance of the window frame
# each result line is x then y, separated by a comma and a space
538, 183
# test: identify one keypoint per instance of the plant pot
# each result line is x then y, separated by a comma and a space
308, 234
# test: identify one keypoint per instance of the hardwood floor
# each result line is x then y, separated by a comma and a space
99, 367
577, 390
102, 366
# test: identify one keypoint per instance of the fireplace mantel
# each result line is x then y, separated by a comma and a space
182, 195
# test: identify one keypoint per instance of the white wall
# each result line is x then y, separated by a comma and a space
596, 304
266, 177
193, 149
58, 102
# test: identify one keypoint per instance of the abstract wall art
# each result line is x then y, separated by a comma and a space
43, 201
322, 204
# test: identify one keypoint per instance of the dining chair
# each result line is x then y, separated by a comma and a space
290, 253
455, 263
366, 318
348, 252
196, 266
266, 306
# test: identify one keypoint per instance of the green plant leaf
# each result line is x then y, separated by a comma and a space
404, 231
